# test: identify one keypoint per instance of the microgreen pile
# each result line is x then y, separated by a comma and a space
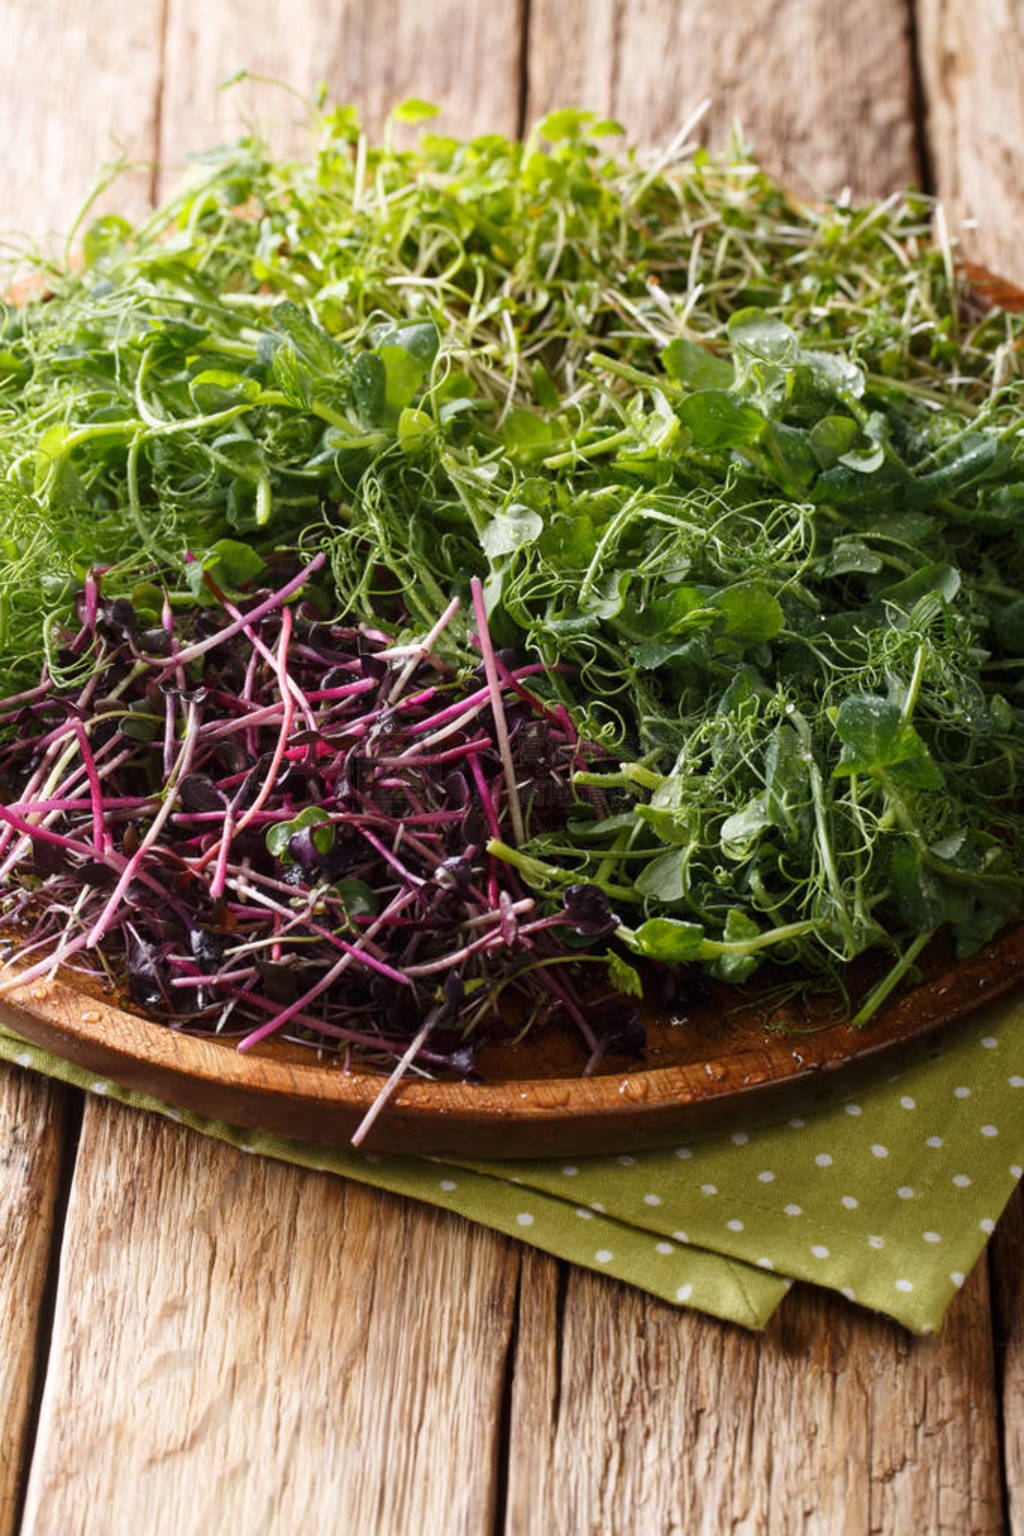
273, 825
742, 477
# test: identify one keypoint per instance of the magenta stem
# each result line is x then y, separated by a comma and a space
328, 978
498, 709
267, 606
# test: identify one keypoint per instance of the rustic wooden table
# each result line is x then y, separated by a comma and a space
196, 1341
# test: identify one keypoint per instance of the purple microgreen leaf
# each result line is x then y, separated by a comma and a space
198, 792
589, 910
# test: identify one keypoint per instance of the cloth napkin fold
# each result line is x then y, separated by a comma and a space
888, 1195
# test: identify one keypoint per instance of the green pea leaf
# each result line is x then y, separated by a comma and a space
848, 555
751, 612
526, 433
742, 829
978, 453
877, 740
998, 508
695, 366
566, 123
739, 928
667, 814
356, 896
544, 391
309, 340
664, 878
1008, 625
717, 419
942, 580
762, 336
832, 437
791, 455
104, 237
216, 389
840, 375
407, 352
51, 459
414, 110
511, 531
415, 429
787, 791
668, 940
369, 389
231, 564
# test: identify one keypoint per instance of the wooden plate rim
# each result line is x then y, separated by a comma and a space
322, 1103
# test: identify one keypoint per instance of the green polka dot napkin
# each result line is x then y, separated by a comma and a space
888, 1195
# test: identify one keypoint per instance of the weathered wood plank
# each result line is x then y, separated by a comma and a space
463, 58
78, 80
629, 1416
240, 1345
1007, 1270
31, 1141
972, 69
824, 88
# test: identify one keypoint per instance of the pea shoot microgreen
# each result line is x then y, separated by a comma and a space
744, 474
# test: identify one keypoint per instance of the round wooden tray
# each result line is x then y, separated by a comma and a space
729, 1060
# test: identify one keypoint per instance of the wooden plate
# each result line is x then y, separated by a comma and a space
729, 1060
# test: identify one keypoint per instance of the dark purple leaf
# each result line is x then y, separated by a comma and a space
154, 642
682, 989
456, 789
589, 910
305, 852
454, 987
619, 1024
282, 983
48, 858
372, 666
206, 946
454, 872
122, 617
199, 793
146, 981
94, 873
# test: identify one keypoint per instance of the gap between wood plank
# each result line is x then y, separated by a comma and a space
525, 17
158, 104
999, 1381
1007, 1315
503, 1438
70, 1135
919, 104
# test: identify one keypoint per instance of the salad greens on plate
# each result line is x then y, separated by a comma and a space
736, 480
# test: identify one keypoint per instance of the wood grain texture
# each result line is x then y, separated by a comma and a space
242, 1346
79, 86
1007, 1257
628, 1416
824, 88
31, 1140
462, 57
972, 67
